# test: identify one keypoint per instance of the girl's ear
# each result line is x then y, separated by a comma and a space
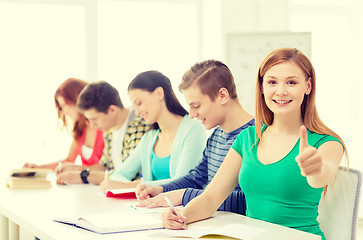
159, 91
223, 96
308, 89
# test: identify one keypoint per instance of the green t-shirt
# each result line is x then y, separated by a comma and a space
277, 192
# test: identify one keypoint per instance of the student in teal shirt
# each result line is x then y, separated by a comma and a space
172, 146
283, 166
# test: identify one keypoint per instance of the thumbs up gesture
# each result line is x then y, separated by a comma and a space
309, 160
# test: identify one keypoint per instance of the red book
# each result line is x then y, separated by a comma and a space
125, 193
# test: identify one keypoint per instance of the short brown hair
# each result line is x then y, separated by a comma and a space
211, 76
99, 95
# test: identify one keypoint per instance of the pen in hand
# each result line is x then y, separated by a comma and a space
172, 206
142, 181
59, 166
107, 174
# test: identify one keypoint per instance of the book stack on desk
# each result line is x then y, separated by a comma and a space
29, 178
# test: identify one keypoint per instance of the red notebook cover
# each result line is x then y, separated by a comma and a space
122, 193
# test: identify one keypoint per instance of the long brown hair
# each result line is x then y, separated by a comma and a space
70, 90
309, 112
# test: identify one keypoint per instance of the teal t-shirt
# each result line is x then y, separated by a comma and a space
277, 192
160, 167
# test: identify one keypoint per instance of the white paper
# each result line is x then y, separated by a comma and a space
149, 210
122, 190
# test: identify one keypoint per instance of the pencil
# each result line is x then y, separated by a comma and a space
172, 206
59, 166
106, 174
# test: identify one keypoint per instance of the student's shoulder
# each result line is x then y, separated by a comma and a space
247, 134
244, 127
107, 134
317, 139
248, 130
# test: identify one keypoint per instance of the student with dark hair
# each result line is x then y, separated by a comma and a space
210, 92
101, 104
87, 141
172, 147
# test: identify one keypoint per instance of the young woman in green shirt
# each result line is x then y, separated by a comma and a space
284, 165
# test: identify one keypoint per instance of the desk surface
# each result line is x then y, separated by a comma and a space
34, 210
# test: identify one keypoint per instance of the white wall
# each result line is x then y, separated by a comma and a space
338, 61
337, 54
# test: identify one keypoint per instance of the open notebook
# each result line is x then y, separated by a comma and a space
114, 222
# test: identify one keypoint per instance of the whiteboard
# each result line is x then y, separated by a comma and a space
245, 52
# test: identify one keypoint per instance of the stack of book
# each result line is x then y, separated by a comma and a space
29, 178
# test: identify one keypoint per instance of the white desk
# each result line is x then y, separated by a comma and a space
34, 210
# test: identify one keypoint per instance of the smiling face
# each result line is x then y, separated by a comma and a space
209, 112
147, 104
284, 87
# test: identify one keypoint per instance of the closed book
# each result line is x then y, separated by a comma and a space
29, 178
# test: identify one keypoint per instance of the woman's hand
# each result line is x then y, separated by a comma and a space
175, 198
30, 165
309, 159
144, 192
172, 221
68, 166
69, 177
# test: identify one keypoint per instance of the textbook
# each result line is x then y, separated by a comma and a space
124, 193
234, 231
29, 178
115, 222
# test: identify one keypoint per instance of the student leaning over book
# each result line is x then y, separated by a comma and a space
87, 140
175, 142
283, 166
101, 103
210, 91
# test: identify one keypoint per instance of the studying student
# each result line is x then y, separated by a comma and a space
210, 91
172, 147
87, 140
101, 104
284, 165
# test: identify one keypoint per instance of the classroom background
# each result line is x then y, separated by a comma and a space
44, 42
